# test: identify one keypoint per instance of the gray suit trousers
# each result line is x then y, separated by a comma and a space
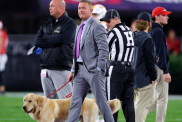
81, 85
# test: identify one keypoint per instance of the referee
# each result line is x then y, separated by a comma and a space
120, 83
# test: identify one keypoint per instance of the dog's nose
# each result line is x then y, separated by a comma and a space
24, 107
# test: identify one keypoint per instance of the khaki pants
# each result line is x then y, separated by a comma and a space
144, 98
160, 97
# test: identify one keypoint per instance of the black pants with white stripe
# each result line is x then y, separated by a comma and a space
120, 85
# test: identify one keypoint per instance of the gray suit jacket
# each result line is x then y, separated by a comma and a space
93, 48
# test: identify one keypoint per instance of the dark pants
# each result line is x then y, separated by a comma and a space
120, 85
2, 78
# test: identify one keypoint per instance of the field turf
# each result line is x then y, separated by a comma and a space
11, 111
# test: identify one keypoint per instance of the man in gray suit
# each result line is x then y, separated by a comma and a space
90, 56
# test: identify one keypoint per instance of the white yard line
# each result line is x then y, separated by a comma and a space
119, 120
167, 120
13, 119
22, 94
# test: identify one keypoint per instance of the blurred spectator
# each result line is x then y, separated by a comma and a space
3, 57
5, 29
99, 12
133, 25
173, 44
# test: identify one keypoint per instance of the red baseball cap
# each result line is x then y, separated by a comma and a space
160, 10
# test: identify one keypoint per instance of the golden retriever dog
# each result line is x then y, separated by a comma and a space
44, 109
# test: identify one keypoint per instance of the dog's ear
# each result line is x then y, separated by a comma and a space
40, 100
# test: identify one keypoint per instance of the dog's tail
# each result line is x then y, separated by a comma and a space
114, 104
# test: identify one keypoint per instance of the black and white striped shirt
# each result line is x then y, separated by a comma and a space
121, 43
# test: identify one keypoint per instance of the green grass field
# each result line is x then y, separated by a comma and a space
11, 111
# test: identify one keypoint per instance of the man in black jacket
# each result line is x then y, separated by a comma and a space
56, 38
144, 63
160, 16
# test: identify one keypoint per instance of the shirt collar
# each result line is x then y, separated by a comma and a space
87, 21
62, 17
122, 23
59, 19
140, 32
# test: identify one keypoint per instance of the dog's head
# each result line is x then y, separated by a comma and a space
32, 102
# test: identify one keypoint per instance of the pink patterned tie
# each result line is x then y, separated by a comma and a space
78, 40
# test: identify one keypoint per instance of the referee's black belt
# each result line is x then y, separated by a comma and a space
81, 63
113, 63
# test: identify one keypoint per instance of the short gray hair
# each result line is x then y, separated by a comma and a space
86, 1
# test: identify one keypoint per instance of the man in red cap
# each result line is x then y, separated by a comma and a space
160, 16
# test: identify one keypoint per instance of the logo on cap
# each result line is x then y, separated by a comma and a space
58, 28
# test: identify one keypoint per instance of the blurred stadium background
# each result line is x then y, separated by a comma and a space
22, 19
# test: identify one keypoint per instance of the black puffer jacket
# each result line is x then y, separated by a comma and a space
57, 41
144, 60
